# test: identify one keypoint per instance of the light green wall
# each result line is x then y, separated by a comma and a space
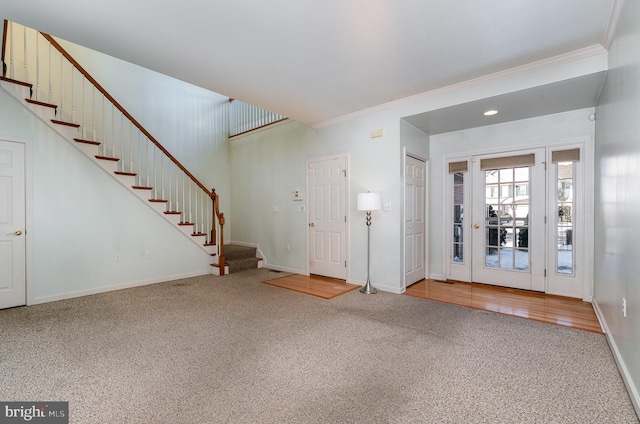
268, 165
617, 177
279, 155
414, 140
375, 165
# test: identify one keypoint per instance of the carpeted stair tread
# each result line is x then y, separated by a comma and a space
234, 251
239, 265
240, 258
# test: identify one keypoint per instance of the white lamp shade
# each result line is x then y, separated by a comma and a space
369, 202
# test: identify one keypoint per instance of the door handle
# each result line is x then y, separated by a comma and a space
15, 233
476, 226
311, 224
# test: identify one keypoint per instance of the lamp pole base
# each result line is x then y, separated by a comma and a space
368, 289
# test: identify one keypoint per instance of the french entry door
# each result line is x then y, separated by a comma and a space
508, 219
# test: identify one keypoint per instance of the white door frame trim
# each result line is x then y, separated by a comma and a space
347, 240
407, 152
28, 181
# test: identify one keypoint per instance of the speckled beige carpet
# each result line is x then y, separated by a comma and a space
232, 350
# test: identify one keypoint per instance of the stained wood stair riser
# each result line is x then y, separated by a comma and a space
47, 113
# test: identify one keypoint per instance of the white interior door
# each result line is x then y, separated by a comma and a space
414, 211
509, 230
12, 225
328, 217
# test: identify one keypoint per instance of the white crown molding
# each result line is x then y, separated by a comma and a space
611, 23
573, 56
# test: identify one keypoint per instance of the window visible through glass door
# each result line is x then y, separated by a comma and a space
564, 220
507, 218
458, 215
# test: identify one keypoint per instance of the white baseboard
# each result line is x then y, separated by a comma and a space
624, 372
436, 277
104, 289
381, 287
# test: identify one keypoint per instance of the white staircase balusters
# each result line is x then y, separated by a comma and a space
11, 52
244, 117
38, 95
50, 98
26, 54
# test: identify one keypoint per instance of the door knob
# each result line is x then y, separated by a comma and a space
476, 226
15, 233
311, 224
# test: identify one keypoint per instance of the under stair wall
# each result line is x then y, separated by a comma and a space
79, 217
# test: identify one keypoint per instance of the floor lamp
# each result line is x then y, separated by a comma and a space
368, 202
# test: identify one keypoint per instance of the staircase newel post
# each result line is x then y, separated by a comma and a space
216, 212
5, 28
221, 260
214, 201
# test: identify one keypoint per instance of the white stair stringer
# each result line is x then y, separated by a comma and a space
46, 114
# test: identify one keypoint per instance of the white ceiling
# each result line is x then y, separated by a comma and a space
314, 61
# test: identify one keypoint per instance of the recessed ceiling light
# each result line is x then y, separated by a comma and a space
490, 112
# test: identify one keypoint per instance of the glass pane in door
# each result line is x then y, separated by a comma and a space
564, 222
458, 215
507, 218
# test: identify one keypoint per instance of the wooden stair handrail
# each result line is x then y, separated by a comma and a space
4, 47
122, 109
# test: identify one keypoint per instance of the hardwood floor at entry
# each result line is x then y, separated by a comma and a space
324, 287
536, 306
